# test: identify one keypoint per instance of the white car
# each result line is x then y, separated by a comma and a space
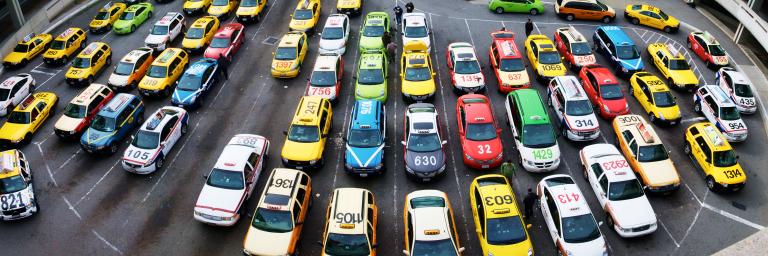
165, 30
739, 88
466, 74
621, 196
570, 222
231, 181
16, 191
334, 37
155, 139
326, 75
429, 225
415, 29
574, 112
13, 90
720, 110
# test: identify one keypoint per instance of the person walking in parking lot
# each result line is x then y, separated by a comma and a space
529, 202
391, 48
223, 62
409, 7
398, 15
528, 27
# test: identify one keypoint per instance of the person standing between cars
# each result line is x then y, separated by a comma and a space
391, 48
409, 7
223, 62
398, 15
528, 27
529, 202
386, 38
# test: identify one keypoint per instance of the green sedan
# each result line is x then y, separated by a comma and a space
133, 17
530, 6
372, 76
374, 27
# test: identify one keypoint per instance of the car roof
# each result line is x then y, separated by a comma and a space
13, 80
306, 4
712, 136
507, 48
274, 189
414, 19
167, 55
335, 20
606, 153
167, 18
573, 35
349, 200
290, 39
375, 18
134, 55
477, 108
199, 67
668, 50
709, 39
235, 154
157, 120
571, 88
559, 187
535, 113
68, 33
228, 29
91, 49
736, 76
543, 42
645, 7
85, 97
430, 223
493, 185
423, 114
643, 132
135, 7
202, 21
116, 105
366, 114
9, 164
372, 60
720, 97
463, 51
617, 35
602, 74
326, 62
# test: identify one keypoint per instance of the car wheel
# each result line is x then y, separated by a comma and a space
109, 60
159, 162
133, 28
499, 10
65, 59
689, 44
113, 148
90, 80
711, 183
586, 175
667, 29
150, 14
631, 90
635, 21
606, 19
184, 128
27, 139
24, 62
564, 131
141, 119
652, 117
569, 17
534, 11
697, 107
687, 149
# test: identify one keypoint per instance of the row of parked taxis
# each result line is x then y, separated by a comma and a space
619, 175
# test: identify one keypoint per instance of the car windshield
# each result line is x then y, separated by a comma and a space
127, 15
624, 190
373, 31
146, 139
729, 113
157, 71
81, 63
195, 33
578, 108
652, 153
725, 158
332, 33
304, 133
12, 184
481, 132
743, 90
302, 14
678, 65
346, 245
159, 30
467, 67
663, 15
285, 53
538, 136
272, 220
220, 42
417, 74
226, 179
505, 231
4, 93
429, 142
626, 52
580, 229
611, 92
549, 57
19, 117
249, 3
323, 78
74, 111
102, 15
22, 48
716, 50
124, 68
104, 124
190, 83
370, 76
220, 2
444, 247
581, 49
364, 138
415, 32
512, 65
58, 45
663, 99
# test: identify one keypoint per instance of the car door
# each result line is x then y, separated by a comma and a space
711, 110
175, 132
551, 215
593, 175
558, 104
532, 55
461, 116
602, 191
236, 39
699, 153
36, 116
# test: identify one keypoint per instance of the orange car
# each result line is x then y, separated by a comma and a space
131, 69
584, 10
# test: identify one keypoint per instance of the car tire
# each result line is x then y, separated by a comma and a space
141, 119
150, 15
711, 183
635, 21
24, 62
499, 10
687, 149
569, 17
690, 46
609, 221
631, 90
534, 11
27, 139
584, 171
184, 128
64, 60
607, 19
159, 162
668, 30
652, 117
133, 28
697, 107
90, 80
113, 148
109, 60
563, 131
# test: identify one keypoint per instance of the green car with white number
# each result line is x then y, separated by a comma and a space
534, 135
133, 17
533, 7
372, 32
372, 76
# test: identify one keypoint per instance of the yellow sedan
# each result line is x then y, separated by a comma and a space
655, 98
651, 16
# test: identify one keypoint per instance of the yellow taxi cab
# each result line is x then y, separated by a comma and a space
27, 49
289, 55
65, 46
222, 8
416, 73
17, 193
279, 217
646, 154
107, 15
655, 98
651, 16
349, 6
250, 10
544, 57
715, 157
163, 73
89, 63
351, 220
306, 15
27, 118
430, 228
498, 222
194, 7
200, 34
306, 137
673, 66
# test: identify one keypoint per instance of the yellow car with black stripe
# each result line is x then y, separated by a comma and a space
27, 118
289, 55
651, 16
89, 63
306, 15
417, 75
250, 10
498, 222
349, 6
305, 139
163, 73
107, 15
200, 34
194, 7
544, 58
65, 46
715, 157
673, 66
27, 49
655, 98
222, 8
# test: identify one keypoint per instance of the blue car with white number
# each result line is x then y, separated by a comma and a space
365, 139
195, 83
620, 50
113, 124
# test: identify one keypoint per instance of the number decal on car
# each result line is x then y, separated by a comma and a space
349, 218
143, 155
628, 119
11, 201
732, 173
514, 76
567, 198
281, 183
615, 164
425, 160
498, 200
736, 126
484, 149
655, 82
583, 123
552, 68
247, 140
320, 91
542, 154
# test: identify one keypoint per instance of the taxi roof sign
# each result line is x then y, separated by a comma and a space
501, 211
9, 164
347, 225
156, 119
91, 48
645, 133
86, 94
116, 102
66, 33
709, 38
27, 102
28, 37
432, 232
714, 135
507, 49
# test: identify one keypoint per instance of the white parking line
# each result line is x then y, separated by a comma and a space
69, 159
71, 208
42, 72
97, 183
693, 119
47, 168
346, 116
733, 217
668, 233
261, 21
106, 242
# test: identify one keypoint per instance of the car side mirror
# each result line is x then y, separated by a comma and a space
406, 253
529, 226
273, 53
133, 137
433, 73
205, 176
285, 133
299, 222
600, 223
444, 142
461, 249
320, 243
737, 157
162, 144
354, 77
402, 142
560, 109
517, 137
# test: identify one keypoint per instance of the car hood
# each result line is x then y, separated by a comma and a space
520, 248
370, 91
246, 10
488, 154
595, 247
122, 23
684, 76
284, 65
66, 123
616, 106
364, 157
185, 97
214, 53
584, 120
425, 40
669, 113
583, 60
14, 56
514, 78
13, 131
425, 166
367, 42
193, 5
633, 212
660, 173
156, 39
25, 194
115, 79
218, 201
734, 126
98, 23
95, 137
334, 44
299, 151
551, 70
301, 24
528, 153
259, 242
216, 10
140, 156
631, 64
419, 87
469, 80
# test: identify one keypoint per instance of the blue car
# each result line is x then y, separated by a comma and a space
620, 50
113, 124
365, 139
197, 80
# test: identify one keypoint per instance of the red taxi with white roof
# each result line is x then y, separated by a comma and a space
507, 62
574, 47
621, 196
604, 91
232, 180
325, 80
226, 41
465, 71
708, 49
479, 135
574, 111
155, 139
79, 113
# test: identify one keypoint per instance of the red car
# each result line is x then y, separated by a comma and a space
480, 137
325, 80
507, 62
574, 47
227, 41
708, 49
604, 91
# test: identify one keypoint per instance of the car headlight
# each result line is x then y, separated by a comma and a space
379, 166
530, 251
442, 168
490, 254
31, 199
312, 161
468, 157
626, 105
381, 93
570, 253
225, 218
357, 93
661, 116
274, 66
529, 162
409, 169
347, 166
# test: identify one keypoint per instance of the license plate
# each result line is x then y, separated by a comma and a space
299, 167
485, 166
673, 123
363, 175
426, 179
